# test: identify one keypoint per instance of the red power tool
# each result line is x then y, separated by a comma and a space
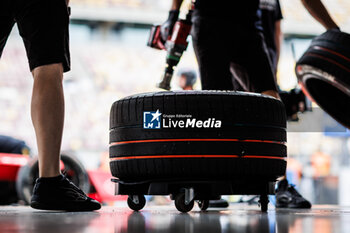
175, 45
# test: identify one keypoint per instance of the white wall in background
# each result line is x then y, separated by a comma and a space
344, 187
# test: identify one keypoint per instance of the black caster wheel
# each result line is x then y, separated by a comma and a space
203, 204
181, 205
264, 201
136, 202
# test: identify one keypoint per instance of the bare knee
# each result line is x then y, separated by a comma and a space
52, 72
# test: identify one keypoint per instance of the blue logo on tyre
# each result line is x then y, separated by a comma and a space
152, 120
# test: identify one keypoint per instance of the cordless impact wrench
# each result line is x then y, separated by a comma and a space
175, 46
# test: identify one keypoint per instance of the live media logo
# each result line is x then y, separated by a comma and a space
152, 120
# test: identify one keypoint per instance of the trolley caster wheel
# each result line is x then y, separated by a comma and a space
136, 202
203, 204
264, 201
181, 205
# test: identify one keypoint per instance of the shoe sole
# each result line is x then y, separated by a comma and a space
293, 207
71, 207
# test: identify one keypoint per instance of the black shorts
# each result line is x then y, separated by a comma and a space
43, 25
228, 53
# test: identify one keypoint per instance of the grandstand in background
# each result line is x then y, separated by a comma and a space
126, 11
155, 11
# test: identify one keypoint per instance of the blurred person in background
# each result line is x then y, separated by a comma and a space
321, 167
43, 25
187, 79
13, 146
321, 164
229, 42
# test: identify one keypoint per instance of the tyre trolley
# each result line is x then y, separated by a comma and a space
196, 146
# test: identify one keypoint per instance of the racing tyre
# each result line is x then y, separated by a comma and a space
73, 170
197, 135
324, 74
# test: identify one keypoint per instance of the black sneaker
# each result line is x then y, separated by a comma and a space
59, 193
288, 197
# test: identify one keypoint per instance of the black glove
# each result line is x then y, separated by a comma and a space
167, 27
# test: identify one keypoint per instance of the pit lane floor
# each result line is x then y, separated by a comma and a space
237, 218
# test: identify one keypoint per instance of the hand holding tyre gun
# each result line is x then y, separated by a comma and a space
172, 37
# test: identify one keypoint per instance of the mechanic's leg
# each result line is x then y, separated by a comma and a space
212, 54
241, 81
254, 57
52, 191
213, 68
47, 112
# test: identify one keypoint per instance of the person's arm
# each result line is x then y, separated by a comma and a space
320, 13
167, 27
278, 39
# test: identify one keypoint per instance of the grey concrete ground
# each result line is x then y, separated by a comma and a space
237, 218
